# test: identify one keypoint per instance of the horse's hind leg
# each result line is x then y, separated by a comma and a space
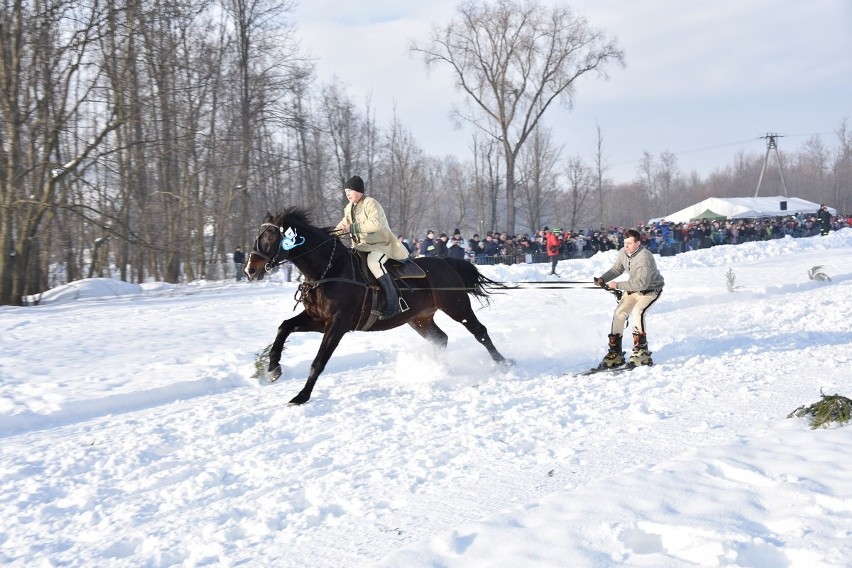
300, 322
479, 331
429, 330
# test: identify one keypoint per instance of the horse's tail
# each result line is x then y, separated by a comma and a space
477, 284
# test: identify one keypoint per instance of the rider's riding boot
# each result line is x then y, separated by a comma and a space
391, 298
615, 356
641, 355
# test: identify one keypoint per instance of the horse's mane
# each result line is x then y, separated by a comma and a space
299, 217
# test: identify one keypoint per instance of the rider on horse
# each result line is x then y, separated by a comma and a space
365, 221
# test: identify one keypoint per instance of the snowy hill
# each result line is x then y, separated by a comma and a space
133, 433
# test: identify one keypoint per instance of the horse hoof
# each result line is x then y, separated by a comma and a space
506, 363
273, 374
298, 400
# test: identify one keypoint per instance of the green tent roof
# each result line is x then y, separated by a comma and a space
709, 215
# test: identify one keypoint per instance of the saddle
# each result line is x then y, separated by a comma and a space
398, 269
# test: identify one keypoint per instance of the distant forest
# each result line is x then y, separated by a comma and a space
145, 140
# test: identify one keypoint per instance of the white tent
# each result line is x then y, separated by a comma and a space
747, 208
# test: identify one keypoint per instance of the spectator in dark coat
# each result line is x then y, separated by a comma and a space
491, 246
479, 253
824, 219
239, 262
441, 250
456, 245
473, 244
510, 250
427, 247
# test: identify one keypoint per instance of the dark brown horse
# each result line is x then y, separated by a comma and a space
339, 297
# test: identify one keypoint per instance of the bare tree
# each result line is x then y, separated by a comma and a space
814, 166
580, 186
458, 199
309, 151
537, 183
646, 179
668, 182
265, 59
348, 131
404, 172
602, 184
513, 59
486, 183
48, 77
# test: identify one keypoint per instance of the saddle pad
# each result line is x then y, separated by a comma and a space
409, 269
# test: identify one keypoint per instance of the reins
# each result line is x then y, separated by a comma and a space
550, 285
560, 285
308, 285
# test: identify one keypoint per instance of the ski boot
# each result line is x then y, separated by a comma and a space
641, 356
615, 356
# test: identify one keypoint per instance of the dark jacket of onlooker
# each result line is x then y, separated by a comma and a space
456, 247
427, 247
441, 246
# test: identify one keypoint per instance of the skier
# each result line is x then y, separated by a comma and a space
640, 291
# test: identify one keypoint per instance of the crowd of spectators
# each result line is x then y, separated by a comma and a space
663, 238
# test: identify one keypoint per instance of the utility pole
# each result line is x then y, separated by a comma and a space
771, 144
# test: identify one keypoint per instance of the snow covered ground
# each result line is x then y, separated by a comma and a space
133, 434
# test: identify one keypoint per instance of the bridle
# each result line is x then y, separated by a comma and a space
271, 262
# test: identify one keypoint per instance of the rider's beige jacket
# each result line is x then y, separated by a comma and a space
369, 229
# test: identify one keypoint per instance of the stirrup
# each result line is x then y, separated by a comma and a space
401, 306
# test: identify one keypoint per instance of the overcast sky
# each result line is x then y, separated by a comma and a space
703, 79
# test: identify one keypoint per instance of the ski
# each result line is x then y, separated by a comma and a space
611, 370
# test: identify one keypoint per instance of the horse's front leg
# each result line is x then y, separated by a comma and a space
300, 322
330, 341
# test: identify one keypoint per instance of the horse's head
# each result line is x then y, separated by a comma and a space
266, 251
277, 241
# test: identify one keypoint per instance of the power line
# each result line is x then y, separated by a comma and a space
715, 147
725, 145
